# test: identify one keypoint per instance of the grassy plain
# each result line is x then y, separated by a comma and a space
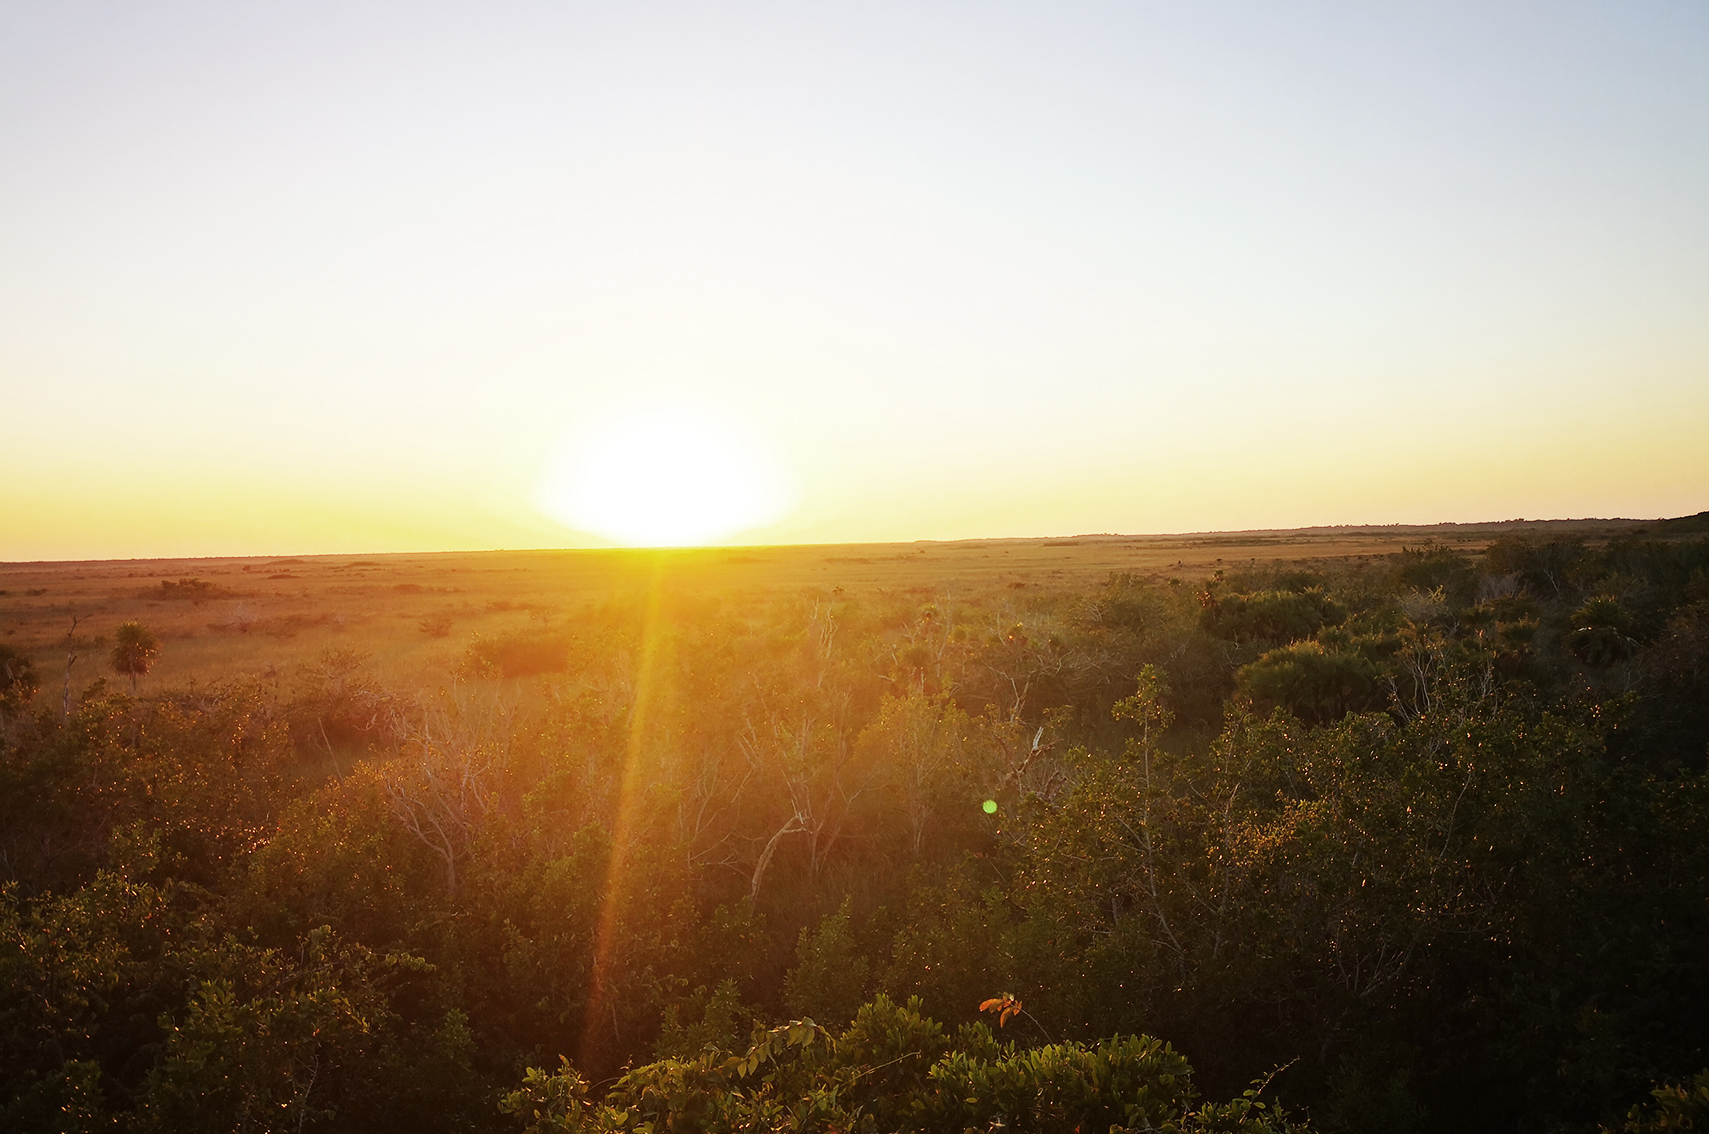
414, 614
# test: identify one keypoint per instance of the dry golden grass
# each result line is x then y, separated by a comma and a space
413, 614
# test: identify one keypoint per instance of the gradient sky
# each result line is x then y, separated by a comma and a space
305, 277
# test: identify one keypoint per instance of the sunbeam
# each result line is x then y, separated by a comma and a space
599, 1002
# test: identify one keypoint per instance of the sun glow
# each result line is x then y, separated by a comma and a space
662, 471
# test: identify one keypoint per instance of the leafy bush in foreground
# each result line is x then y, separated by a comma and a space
893, 1069
1677, 1106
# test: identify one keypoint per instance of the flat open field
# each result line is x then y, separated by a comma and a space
412, 614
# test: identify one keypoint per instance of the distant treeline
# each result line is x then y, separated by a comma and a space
1407, 844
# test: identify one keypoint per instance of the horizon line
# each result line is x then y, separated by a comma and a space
1310, 528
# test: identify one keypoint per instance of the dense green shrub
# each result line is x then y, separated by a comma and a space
1316, 685
1274, 617
893, 1069
1675, 1106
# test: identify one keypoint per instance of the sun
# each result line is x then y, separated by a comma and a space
665, 471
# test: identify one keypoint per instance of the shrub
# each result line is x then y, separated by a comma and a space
1270, 616
1677, 1106
185, 590
893, 1069
522, 653
1314, 684
18, 680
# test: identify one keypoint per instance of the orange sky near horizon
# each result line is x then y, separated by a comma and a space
361, 277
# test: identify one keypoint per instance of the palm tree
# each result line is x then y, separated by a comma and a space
134, 651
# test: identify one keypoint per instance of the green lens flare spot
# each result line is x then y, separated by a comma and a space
990, 807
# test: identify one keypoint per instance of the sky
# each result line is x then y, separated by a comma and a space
335, 277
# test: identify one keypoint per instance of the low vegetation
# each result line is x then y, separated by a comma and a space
1409, 843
